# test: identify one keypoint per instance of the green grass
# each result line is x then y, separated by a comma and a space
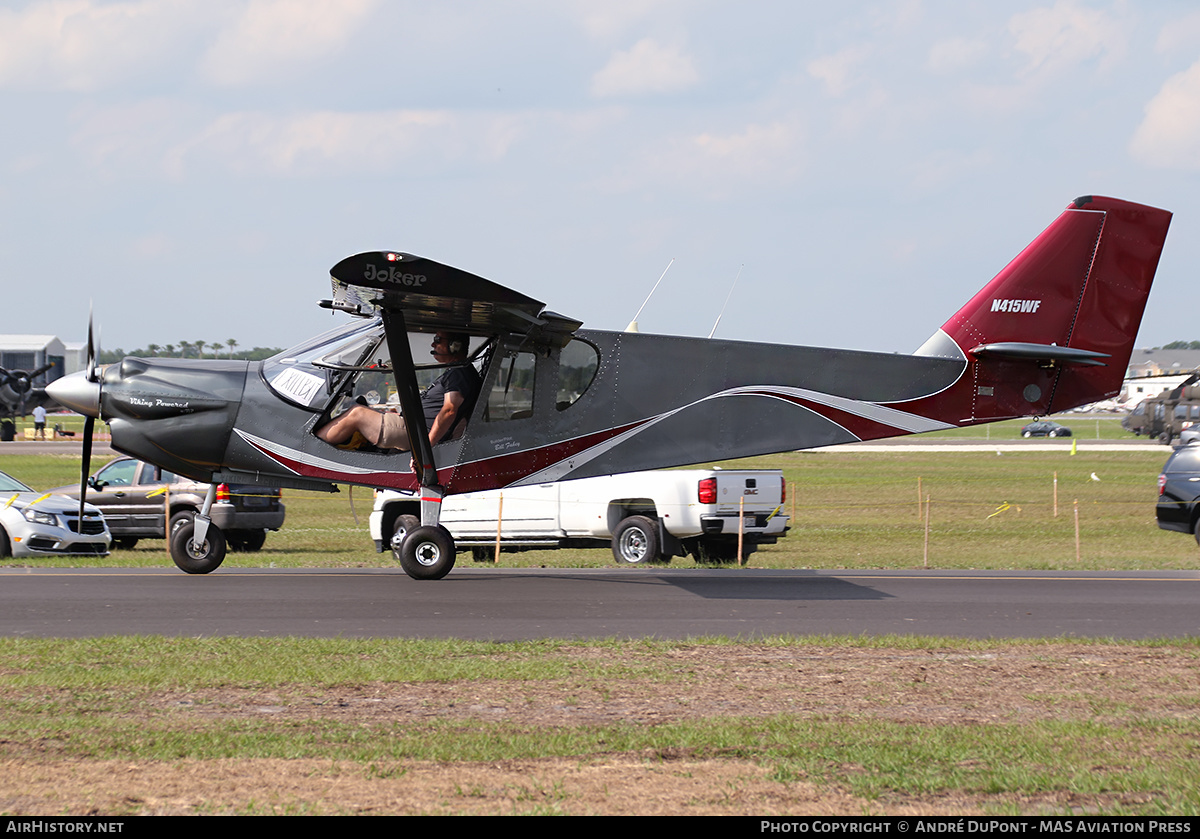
150, 699
1083, 426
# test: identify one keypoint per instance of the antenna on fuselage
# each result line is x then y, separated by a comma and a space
633, 326
727, 299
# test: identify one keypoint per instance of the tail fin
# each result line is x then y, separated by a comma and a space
1056, 327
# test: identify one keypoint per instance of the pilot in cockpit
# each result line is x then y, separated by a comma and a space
447, 403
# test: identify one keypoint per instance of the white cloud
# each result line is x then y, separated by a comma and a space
648, 67
269, 38
1066, 35
839, 71
84, 45
955, 54
1169, 136
323, 143
718, 164
1180, 35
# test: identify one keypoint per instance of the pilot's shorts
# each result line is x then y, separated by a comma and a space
393, 433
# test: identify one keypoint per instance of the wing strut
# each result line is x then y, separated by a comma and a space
410, 398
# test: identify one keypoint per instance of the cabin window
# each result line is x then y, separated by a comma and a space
577, 366
511, 396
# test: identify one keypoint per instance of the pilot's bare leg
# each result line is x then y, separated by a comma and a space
383, 429
361, 419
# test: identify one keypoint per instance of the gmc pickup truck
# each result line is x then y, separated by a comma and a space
645, 516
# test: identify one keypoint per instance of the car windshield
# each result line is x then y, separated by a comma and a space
10, 484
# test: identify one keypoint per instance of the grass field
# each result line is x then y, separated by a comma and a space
816, 726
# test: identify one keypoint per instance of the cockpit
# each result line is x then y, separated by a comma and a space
351, 365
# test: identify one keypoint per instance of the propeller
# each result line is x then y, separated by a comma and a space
81, 393
89, 423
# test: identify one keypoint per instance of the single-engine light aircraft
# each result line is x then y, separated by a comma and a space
1051, 331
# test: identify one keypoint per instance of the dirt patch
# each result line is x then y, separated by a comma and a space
1004, 685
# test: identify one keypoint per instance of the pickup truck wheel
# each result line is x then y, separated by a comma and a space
636, 541
427, 553
246, 540
193, 558
400, 529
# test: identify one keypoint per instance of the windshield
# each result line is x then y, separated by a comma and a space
11, 484
297, 374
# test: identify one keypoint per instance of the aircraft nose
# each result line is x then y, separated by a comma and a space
77, 393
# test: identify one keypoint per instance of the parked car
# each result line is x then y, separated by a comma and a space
1179, 491
42, 524
140, 501
1045, 428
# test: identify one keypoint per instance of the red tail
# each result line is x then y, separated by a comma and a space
1056, 327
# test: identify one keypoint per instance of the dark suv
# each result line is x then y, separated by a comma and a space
1179, 491
140, 501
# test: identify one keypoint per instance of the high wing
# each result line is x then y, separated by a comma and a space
434, 296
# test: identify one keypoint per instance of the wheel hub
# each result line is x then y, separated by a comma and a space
427, 553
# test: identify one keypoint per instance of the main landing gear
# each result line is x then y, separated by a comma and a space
425, 552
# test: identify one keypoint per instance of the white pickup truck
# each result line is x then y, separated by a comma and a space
645, 516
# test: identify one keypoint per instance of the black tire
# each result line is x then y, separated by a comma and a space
483, 554
246, 541
197, 559
125, 543
427, 553
635, 541
5, 545
401, 527
178, 520
1195, 530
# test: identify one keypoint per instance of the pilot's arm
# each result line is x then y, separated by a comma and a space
445, 417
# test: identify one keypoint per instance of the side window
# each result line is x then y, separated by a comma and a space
154, 475
119, 473
511, 396
577, 366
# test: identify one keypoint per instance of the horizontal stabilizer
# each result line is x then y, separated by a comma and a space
1051, 353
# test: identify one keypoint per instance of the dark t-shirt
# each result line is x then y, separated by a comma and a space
462, 380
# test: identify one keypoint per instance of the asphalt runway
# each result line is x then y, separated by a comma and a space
519, 604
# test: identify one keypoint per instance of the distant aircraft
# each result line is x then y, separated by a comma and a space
1053, 330
18, 394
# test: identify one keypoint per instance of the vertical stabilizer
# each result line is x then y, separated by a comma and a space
1056, 327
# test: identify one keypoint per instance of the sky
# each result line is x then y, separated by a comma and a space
829, 174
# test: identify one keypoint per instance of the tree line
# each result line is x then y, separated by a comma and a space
192, 349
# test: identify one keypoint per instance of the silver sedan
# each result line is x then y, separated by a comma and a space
42, 524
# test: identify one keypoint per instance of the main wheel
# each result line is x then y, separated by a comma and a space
401, 528
636, 541
193, 558
427, 553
